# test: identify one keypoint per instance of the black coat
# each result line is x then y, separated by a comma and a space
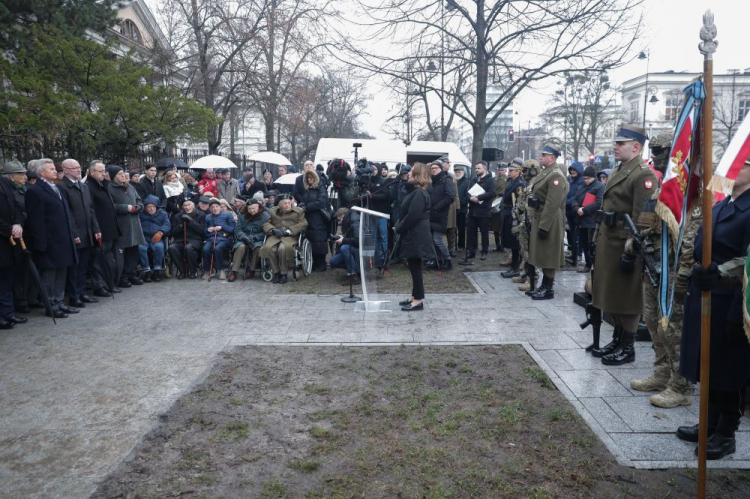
730, 350
381, 194
10, 215
463, 194
442, 195
313, 200
145, 187
82, 208
50, 227
104, 209
588, 220
257, 186
397, 195
195, 228
350, 229
482, 208
414, 226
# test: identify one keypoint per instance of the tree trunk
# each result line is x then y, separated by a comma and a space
479, 127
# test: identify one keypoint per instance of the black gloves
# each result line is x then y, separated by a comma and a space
627, 263
543, 234
278, 233
186, 218
706, 278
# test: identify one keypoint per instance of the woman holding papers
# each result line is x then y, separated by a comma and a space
587, 201
414, 227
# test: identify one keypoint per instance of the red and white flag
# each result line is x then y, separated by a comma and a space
733, 160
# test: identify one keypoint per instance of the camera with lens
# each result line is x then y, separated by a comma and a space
333, 237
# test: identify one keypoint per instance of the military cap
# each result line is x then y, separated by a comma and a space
531, 163
13, 167
284, 196
213, 201
550, 149
517, 162
502, 166
631, 132
513, 166
663, 140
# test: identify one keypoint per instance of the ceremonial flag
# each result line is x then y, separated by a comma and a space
679, 189
733, 160
680, 186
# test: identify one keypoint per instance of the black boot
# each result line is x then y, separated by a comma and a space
690, 433
513, 272
498, 246
147, 277
276, 278
624, 354
611, 346
157, 275
282, 278
545, 291
448, 264
531, 272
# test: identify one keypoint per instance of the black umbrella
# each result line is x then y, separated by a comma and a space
34, 273
104, 263
168, 163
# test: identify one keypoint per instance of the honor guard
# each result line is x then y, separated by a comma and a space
546, 203
617, 286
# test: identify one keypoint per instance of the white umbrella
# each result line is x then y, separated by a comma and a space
270, 157
212, 161
288, 179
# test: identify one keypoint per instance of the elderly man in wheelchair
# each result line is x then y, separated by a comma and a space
284, 225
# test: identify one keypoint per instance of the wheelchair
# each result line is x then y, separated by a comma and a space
303, 260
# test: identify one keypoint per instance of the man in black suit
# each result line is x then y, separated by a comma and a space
49, 224
479, 210
87, 232
149, 184
106, 217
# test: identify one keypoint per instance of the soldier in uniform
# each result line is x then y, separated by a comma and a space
674, 389
522, 226
496, 220
548, 191
617, 286
513, 191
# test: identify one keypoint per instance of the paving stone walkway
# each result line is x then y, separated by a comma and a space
76, 398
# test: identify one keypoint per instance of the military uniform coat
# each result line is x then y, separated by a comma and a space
550, 188
294, 220
615, 291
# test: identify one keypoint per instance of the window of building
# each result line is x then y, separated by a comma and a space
673, 103
744, 108
128, 29
634, 114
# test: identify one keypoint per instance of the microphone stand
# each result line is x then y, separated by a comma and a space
466, 260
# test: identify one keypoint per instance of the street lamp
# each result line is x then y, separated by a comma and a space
564, 93
646, 55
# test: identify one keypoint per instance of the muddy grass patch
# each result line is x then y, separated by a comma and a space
384, 422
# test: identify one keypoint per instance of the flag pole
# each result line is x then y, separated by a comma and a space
707, 47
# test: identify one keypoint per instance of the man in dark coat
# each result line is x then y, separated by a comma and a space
442, 196
479, 210
585, 204
50, 227
87, 232
150, 185
106, 218
513, 190
11, 225
462, 188
380, 195
188, 227
730, 350
575, 179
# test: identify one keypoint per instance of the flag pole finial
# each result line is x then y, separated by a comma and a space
708, 34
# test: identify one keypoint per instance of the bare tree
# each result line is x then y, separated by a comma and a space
582, 108
207, 38
514, 43
727, 114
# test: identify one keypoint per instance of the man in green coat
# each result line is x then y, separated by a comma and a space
548, 191
617, 285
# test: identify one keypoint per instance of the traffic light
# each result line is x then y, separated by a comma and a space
511, 135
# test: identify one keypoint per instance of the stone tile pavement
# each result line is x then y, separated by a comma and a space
76, 398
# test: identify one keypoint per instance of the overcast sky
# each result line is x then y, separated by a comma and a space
671, 34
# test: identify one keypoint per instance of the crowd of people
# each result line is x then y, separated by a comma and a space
92, 236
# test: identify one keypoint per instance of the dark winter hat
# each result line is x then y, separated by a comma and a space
133, 173
214, 201
272, 193
292, 169
589, 172
113, 170
13, 167
204, 199
151, 199
241, 199
30, 175
320, 168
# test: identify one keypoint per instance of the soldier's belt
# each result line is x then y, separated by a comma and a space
534, 203
609, 218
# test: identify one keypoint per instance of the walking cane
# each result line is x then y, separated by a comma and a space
184, 250
213, 250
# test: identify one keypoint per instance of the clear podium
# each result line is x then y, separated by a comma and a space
372, 255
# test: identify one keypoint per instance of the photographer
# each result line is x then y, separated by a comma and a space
339, 172
380, 194
347, 256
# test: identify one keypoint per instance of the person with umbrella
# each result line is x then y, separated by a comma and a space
11, 220
227, 187
50, 227
283, 188
104, 268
